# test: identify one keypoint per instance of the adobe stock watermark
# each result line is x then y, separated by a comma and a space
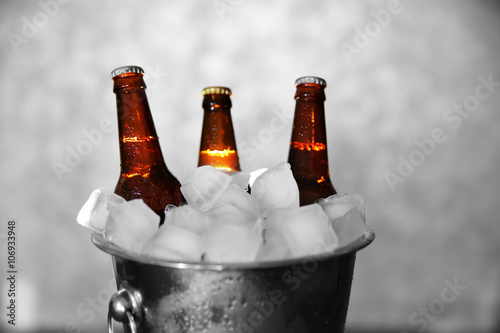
11, 271
154, 76
249, 147
88, 309
74, 155
265, 305
92, 138
364, 36
452, 117
224, 6
31, 26
436, 307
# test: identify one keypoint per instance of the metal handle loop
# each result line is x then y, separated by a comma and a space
131, 322
125, 307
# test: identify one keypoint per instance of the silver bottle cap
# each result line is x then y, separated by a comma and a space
310, 79
126, 69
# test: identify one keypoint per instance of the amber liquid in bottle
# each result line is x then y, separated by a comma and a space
308, 155
218, 145
144, 173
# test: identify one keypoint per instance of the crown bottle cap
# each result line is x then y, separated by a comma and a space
216, 90
126, 69
311, 79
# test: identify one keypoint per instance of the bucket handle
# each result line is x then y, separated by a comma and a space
125, 307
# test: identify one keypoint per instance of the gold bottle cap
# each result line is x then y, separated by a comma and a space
310, 79
126, 69
216, 90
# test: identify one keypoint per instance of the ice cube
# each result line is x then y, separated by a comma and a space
186, 217
233, 236
205, 186
276, 188
255, 174
339, 204
95, 211
229, 213
306, 229
240, 198
275, 248
131, 224
346, 213
175, 243
240, 178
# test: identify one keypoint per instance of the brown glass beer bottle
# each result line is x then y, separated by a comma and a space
218, 146
308, 156
144, 173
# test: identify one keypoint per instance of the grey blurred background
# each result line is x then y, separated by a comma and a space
394, 69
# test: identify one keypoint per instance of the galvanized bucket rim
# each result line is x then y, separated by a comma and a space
106, 246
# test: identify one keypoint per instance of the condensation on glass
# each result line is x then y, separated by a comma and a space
308, 155
217, 144
144, 173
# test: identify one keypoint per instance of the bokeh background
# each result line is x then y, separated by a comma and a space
392, 83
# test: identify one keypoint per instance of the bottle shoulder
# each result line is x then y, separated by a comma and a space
310, 189
156, 189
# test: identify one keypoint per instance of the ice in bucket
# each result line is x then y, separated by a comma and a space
187, 217
240, 198
180, 236
346, 212
274, 248
95, 211
223, 223
242, 179
175, 243
276, 188
131, 224
306, 230
234, 235
224, 233
205, 186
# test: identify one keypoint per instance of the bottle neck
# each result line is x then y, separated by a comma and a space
218, 144
139, 147
308, 155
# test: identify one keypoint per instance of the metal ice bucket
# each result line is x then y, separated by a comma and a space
309, 294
